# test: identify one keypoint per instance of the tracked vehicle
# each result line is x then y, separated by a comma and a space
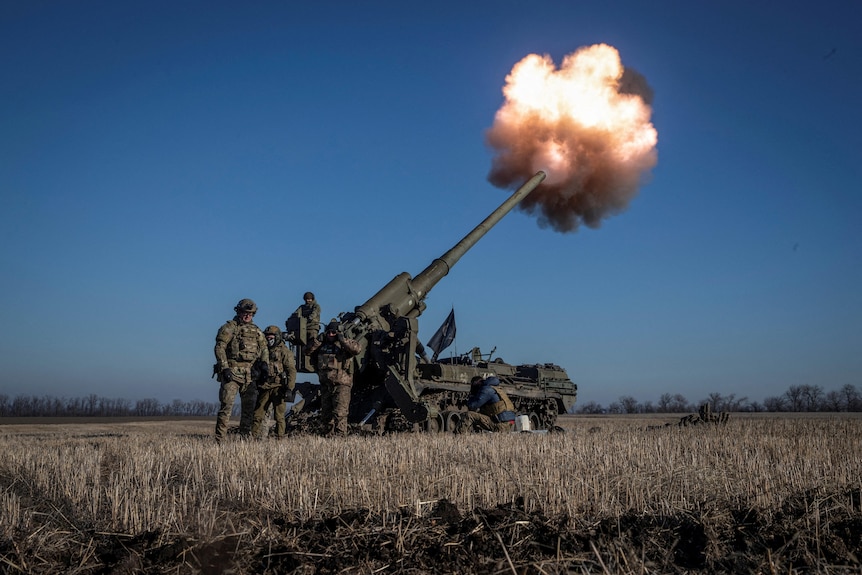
540, 391
396, 387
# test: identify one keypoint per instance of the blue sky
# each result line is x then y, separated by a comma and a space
160, 161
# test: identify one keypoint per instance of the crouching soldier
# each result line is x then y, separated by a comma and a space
490, 407
239, 344
278, 387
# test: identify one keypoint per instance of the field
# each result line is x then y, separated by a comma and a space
763, 494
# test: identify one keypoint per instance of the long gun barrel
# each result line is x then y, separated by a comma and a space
387, 326
405, 297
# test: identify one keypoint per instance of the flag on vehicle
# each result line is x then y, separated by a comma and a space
444, 336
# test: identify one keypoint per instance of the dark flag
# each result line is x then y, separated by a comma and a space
444, 336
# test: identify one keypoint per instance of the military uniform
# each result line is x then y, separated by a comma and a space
490, 409
311, 313
333, 358
302, 338
238, 346
278, 388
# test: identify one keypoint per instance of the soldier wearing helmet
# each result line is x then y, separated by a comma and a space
310, 310
301, 338
332, 354
239, 346
490, 407
276, 389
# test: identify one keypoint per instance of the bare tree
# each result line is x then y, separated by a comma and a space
92, 402
775, 403
811, 397
664, 402
147, 407
834, 401
591, 407
22, 405
715, 401
629, 404
680, 404
731, 403
794, 395
851, 398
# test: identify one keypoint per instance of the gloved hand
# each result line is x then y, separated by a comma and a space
288, 336
227, 374
264, 370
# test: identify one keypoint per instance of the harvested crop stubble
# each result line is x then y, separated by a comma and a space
758, 494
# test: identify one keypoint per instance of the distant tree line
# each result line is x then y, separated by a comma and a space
95, 406
797, 398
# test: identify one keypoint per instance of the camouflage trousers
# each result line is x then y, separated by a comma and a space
475, 421
226, 395
274, 396
334, 405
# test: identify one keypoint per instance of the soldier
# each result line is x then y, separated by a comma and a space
278, 388
239, 345
332, 354
490, 407
310, 310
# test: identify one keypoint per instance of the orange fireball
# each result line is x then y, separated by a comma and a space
585, 125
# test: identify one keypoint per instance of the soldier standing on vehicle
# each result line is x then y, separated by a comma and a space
310, 310
239, 344
490, 407
278, 388
332, 354
310, 313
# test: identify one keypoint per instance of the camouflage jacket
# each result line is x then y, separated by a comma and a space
311, 313
238, 345
334, 360
282, 368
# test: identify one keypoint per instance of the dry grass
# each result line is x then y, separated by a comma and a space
61, 480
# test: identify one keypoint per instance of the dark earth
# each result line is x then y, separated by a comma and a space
809, 534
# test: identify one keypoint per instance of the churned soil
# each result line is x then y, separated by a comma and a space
804, 536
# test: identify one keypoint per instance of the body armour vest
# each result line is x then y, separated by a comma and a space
245, 346
493, 409
331, 357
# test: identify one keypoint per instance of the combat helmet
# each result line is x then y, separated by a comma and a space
244, 306
272, 330
333, 325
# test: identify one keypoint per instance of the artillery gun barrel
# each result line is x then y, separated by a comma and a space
429, 277
404, 297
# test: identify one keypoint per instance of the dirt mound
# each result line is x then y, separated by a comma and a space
506, 539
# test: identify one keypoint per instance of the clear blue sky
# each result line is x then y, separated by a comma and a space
160, 161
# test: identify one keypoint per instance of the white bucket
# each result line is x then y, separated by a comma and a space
522, 423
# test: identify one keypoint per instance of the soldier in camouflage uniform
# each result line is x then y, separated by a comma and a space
310, 310
332, 354
490, 407
278, 388
239, 345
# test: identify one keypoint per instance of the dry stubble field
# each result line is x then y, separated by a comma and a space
763, 494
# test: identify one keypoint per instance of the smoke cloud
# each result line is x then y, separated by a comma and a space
586, 124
